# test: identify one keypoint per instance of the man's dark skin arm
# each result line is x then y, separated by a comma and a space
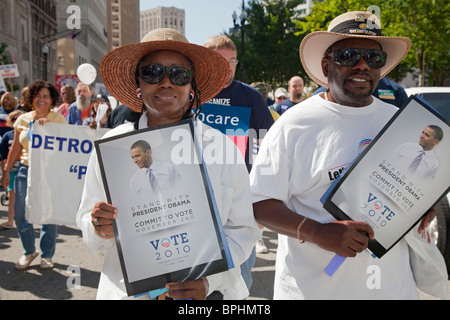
346, 238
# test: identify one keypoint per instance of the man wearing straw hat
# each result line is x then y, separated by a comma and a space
315, 140
164, 77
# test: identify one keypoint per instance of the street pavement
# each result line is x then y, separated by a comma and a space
77, 270
76, 264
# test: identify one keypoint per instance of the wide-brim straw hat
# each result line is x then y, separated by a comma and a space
118, 67
355, 24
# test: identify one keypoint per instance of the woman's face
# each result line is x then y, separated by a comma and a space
7, 104
42, 101
65, 95
166, 102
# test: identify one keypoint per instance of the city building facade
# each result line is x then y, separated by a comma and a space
123, 23
24, 26
162, 17
50, 38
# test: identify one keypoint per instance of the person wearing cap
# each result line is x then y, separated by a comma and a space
164, 77
280, 95
101, 109
322, 135
81, 108
296, 86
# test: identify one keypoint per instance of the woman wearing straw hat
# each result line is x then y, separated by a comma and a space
164, 77
309, 148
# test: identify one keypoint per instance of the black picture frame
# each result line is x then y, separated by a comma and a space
154, 281
338, 199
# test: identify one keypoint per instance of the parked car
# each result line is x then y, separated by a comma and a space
439, 98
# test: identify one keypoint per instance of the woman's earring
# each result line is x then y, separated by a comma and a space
138, 93
191, 96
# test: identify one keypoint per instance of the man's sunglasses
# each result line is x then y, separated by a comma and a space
349, 57
154, 74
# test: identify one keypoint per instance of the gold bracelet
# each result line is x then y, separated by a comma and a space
298, 229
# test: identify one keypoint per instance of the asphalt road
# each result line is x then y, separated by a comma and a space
75, 264
77, 269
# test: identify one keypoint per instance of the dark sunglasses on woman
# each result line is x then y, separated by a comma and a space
154, 74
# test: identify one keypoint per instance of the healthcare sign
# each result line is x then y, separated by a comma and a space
233, 122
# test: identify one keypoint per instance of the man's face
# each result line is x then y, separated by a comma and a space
427, 139
296, 89
84, 91
231, 57
143, 159
84, 96
280, 99
351, 86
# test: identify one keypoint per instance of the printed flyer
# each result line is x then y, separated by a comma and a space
401, 175
168, 228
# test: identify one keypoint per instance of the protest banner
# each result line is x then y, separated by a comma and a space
63, 80
59, 154
9, 71
3, 85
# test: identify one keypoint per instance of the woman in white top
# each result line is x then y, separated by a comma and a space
165, 76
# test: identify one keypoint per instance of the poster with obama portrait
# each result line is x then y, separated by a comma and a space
402, 174
168, 228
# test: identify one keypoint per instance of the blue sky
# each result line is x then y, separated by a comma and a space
204, 18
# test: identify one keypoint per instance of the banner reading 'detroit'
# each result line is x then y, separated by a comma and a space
59, 154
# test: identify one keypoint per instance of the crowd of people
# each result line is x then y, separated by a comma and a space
165, 79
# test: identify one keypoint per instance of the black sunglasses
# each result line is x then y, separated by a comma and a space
154, 74
349, 57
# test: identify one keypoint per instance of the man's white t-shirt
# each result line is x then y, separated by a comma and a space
300, 157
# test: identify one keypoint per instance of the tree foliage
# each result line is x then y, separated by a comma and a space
271, 45
274, 32
425, 22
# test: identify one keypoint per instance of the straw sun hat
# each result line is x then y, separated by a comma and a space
356, 24
118, 67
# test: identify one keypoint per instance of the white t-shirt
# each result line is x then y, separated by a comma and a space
300, 157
